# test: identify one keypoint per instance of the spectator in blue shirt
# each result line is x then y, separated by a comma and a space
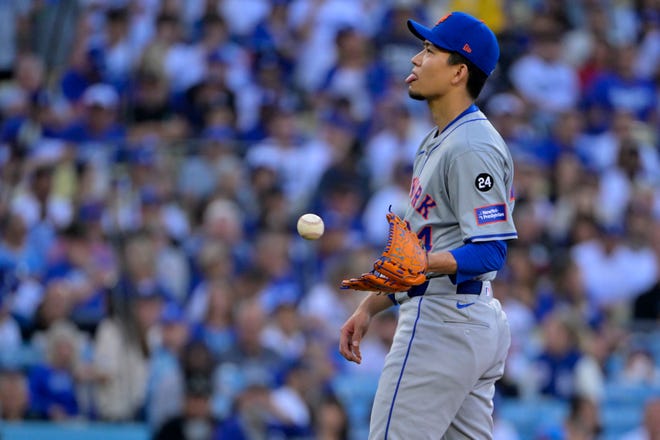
555, 365
53, 382
621, 89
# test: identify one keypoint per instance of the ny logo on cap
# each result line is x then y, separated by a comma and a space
443, 19
467, 48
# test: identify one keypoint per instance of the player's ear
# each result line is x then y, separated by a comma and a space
461, 73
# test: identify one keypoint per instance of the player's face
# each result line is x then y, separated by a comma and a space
431, 74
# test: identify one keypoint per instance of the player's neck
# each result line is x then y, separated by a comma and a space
445, 109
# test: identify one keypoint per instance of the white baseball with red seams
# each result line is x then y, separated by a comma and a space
310, 226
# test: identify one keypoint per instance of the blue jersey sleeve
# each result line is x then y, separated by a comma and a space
474, 259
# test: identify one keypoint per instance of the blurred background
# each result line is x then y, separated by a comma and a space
154, 158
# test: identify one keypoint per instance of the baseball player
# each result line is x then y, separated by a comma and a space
452, 336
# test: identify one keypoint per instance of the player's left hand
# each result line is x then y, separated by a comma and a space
401, 266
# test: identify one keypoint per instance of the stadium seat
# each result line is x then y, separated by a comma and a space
532, 416
73, 431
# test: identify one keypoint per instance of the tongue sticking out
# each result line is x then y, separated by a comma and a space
412, 77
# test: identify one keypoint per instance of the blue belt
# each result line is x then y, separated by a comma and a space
470, 287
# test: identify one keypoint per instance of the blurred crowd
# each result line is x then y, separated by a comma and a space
155, 155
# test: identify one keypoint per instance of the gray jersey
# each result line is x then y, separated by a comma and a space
462, 189
450, 345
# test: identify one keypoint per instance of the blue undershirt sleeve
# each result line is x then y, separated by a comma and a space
474, 259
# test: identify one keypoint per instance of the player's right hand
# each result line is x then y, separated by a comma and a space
351, 335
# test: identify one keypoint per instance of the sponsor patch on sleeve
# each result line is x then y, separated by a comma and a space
490, 214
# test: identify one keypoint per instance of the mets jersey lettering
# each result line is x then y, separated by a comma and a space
462, 188
427, 203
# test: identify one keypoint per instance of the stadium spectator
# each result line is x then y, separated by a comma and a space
165, 387
331, 419
210, 313
14, 396
195, 421
555, 365
53, 383
545, 81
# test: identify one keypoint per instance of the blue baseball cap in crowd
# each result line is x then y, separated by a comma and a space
464, 34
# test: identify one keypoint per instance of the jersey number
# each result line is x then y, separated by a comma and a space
484, 182
425, 236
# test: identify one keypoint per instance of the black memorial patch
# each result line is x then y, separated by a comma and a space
484, 182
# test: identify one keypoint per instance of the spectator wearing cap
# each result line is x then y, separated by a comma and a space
165, 389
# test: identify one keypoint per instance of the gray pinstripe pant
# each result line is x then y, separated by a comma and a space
439, 378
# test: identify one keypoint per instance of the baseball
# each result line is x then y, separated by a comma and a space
310, 226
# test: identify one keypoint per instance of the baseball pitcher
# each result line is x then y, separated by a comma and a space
452, 337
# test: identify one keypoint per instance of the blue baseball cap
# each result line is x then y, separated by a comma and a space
464, 34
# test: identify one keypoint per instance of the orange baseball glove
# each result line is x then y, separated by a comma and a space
401, 266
